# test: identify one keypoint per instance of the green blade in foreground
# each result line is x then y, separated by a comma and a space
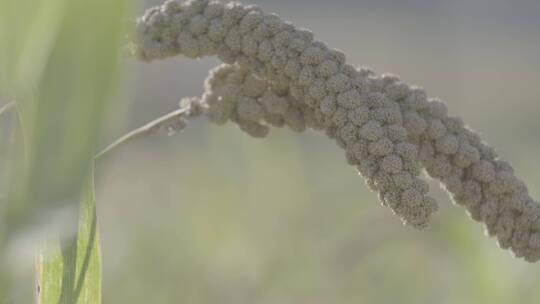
61, 63
72, 274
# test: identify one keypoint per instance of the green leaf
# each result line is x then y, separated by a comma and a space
61, 62
69, 270
64, 59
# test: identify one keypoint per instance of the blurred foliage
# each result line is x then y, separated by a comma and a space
62, 66
61, 62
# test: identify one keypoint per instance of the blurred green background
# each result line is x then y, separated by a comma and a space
214, 216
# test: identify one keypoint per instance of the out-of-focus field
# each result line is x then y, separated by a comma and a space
214, 216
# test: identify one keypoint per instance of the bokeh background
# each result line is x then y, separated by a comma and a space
214, 216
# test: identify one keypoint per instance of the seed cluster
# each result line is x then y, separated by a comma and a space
389, 164
278, 75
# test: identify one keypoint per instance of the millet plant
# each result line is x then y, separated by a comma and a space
277, 75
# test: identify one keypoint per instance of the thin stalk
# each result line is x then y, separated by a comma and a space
7, 107
165, 121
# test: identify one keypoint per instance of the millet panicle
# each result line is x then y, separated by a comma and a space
275, 75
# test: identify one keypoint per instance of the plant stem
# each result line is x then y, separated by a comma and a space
7, 107
150, 128
165, 121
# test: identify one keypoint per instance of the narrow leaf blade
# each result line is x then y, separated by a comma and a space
69, 270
